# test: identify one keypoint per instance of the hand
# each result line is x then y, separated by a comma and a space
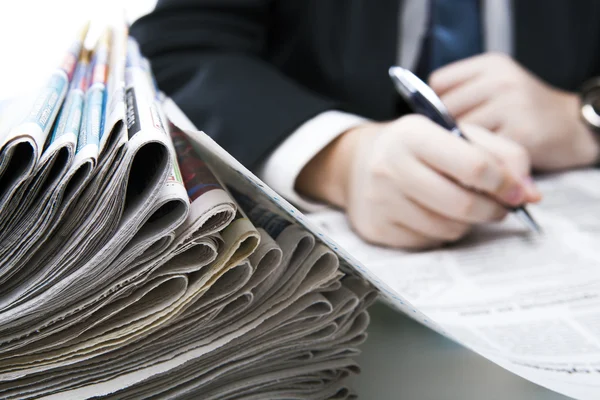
494, 92
397, 180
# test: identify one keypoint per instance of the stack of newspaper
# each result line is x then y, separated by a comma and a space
129, 269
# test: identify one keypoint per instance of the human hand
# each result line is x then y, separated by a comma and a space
493, 91
397, 180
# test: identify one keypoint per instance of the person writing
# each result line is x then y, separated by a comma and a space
298, 90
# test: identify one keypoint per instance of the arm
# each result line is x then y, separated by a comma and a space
207, 55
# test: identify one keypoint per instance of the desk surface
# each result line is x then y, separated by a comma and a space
402, 360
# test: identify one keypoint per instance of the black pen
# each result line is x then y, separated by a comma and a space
424, 101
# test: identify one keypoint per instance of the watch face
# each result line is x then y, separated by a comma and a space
590, 107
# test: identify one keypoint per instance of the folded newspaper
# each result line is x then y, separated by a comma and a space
138, 259
129, 270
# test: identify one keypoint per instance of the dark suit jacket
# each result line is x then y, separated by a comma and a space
249, 72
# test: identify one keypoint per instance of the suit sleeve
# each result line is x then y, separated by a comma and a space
208, 55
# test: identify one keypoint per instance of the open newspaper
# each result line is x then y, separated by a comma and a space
138, 259
529, 302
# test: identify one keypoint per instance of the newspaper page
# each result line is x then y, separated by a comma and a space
530, 302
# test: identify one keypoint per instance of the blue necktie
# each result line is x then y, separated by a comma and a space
454, 33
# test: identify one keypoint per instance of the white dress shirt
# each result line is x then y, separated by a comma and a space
282, 167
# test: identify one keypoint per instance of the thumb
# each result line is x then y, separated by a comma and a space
510, 154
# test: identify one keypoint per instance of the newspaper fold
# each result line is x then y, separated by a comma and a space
136, 263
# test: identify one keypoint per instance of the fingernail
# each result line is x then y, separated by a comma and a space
515, 195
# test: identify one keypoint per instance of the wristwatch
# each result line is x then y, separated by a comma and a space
590, 104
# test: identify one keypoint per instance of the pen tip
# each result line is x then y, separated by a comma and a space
528, 220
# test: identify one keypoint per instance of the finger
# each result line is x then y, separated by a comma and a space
433, 191
465, 163
461, 99
505, 150
387, 233
457, 73
426, 222
487, 115
510, 154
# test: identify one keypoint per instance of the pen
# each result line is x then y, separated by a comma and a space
423, 100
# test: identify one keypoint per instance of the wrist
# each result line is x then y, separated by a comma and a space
326, 177
589, 150
586, 143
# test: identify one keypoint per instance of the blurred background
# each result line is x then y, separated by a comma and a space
35, 33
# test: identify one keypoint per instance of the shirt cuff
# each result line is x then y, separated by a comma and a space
281, 168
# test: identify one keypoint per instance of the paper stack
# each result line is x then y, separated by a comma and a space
132, 267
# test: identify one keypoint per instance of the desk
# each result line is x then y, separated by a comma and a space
403, 360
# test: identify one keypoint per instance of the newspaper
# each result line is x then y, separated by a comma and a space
130, 261
229, 317
528, 302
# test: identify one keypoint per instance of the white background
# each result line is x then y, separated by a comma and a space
35, 33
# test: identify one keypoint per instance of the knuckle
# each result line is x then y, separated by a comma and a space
518, 155
369, 231
499, 214
479, 169
518, 152
379, 169
464, 205
510, 153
